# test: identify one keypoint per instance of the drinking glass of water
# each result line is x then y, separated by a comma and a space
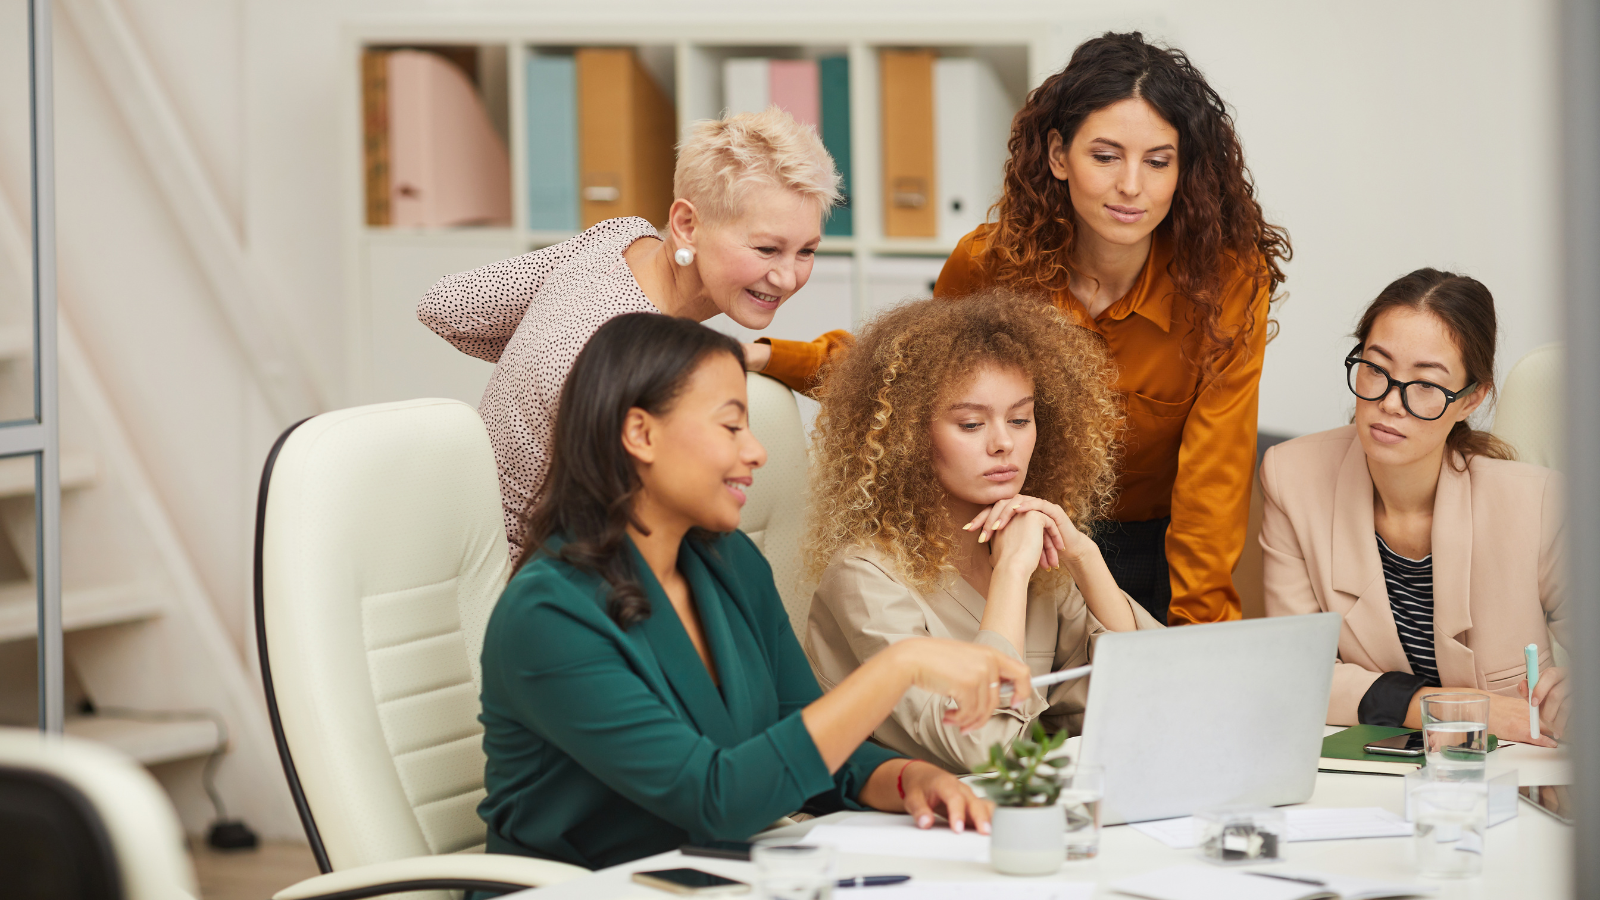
793, 871
1450, 817
1455, 727
1082, 789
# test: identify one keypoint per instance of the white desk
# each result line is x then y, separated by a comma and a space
1527, 857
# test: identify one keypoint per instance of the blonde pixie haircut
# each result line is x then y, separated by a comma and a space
723, 158
872, 477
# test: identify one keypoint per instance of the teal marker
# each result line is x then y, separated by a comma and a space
1532, 653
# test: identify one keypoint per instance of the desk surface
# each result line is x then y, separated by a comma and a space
1529, 856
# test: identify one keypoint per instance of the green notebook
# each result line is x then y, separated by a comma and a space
1342, 751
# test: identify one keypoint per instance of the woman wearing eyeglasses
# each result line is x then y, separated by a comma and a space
1441, 552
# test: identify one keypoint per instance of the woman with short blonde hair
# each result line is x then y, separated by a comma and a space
751, 193
963, 450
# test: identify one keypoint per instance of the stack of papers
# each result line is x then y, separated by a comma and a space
1210, 883
1303, 825
884, 835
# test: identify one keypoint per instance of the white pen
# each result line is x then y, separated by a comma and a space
1531, 652
1045, 681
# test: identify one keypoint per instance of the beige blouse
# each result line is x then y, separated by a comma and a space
861, 606
530, 315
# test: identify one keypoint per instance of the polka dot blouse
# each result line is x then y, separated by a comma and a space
530, 315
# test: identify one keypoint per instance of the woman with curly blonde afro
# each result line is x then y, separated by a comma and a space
963, 450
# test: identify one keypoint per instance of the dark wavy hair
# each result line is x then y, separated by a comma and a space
1214, 213
635, 361
1466, 308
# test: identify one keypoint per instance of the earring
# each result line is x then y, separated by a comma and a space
684, 256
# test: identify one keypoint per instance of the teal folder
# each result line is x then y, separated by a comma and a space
552, 90
834, 74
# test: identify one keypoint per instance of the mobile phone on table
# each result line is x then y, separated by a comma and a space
718, 850
691, 882
1399, 745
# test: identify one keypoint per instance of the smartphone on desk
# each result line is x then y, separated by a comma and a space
1399, 745
718, 850
691, 882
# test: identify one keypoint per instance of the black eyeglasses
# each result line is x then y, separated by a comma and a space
1422, 399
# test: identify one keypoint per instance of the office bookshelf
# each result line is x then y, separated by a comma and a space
388, 269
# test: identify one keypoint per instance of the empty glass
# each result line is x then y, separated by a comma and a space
1455, 726
1450, 817
1082, 789
793, 871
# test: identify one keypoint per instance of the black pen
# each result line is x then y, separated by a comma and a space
872, 881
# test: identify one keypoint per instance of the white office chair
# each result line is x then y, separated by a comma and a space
380, 551
1530, 412
1530, 416
78, 819
774, 513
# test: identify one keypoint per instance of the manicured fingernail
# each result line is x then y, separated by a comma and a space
1016, 507
983, 537
983, 827
967, 527
925, 822
959, 826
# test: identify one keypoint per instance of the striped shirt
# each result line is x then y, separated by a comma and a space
1410, 584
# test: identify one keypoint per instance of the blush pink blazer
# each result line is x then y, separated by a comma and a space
1498, 582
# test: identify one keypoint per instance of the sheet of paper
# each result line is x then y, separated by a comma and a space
1212, 883
1303, 824
897, 836
999, 889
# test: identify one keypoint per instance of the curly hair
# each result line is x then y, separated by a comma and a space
1214, 213
872, 476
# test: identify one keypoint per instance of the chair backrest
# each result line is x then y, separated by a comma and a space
1530, 413
775, 511
80, 820
380, 552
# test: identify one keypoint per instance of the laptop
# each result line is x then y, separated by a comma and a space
1193, 718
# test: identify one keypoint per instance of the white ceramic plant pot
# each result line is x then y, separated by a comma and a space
1027, 840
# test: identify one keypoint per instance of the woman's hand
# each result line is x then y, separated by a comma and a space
932, 791
1550, 697
1065, 542
1026, 545
970, 674
756, 357
1508, 720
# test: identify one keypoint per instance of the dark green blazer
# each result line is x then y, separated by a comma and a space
607, 745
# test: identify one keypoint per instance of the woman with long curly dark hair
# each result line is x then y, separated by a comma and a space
1128, 203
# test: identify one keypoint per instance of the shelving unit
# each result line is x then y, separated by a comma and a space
388, 270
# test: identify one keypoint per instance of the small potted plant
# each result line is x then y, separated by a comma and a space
1027, 834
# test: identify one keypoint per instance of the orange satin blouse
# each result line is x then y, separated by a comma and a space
1189, 451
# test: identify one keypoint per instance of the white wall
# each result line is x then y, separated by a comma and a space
1384, 135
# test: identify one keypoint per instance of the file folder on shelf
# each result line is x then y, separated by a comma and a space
910, 189
972, 125
833, 89
792, 87
552, 105
375, 133
746, 85
627, 131
447, 165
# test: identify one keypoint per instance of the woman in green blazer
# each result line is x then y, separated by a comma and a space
642, 687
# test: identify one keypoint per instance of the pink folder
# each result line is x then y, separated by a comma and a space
447, 164
794, 88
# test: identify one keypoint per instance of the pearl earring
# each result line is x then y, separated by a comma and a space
684, 256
